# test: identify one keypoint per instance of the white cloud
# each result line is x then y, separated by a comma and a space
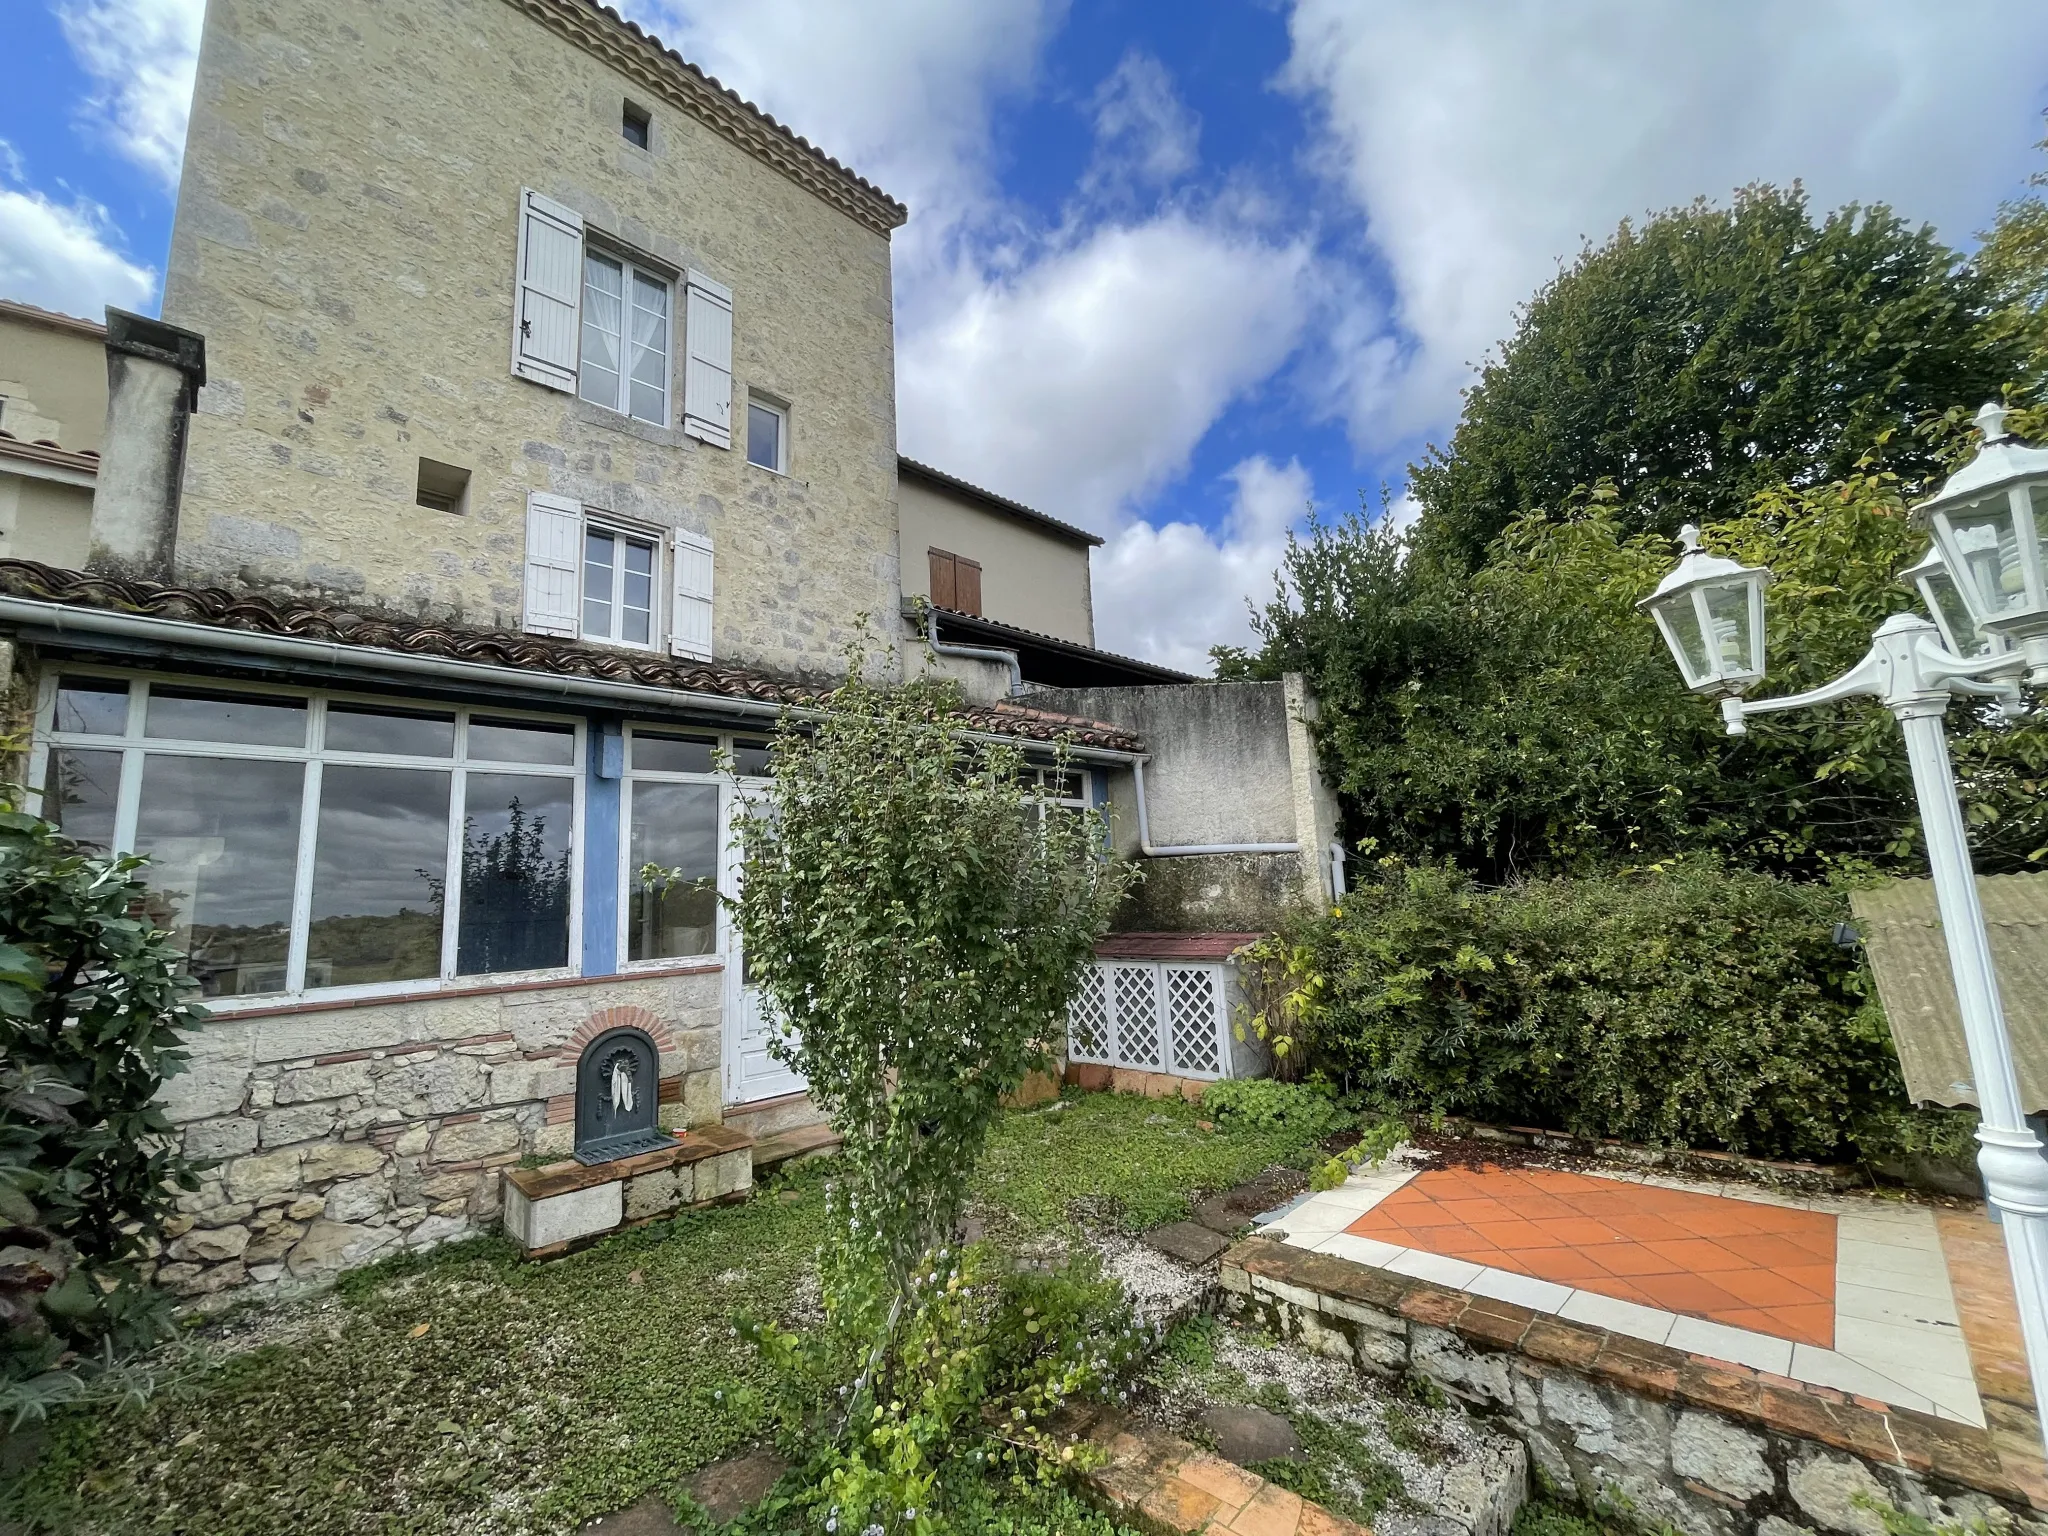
1145, 136
1085, 381
65, 258
142, 54
1170, 593
1483, 141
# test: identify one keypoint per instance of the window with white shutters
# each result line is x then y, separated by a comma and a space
547, 303
707, 371
554, 534
690, 611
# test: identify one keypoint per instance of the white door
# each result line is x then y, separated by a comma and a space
751, 1073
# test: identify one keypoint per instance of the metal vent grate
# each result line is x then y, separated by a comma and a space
1088, 1019
1191, 1016
1136, 990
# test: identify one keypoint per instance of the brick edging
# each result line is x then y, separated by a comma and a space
1878, 1432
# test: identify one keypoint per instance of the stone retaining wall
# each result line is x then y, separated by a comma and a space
341, 1133
1664, 1439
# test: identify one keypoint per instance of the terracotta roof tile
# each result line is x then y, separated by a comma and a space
491, 647
1173, 946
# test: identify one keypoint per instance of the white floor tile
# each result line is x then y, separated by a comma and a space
1895, 1350
1358, 1198
1915, 1236
1361, 1250
1860, 1262
1826, 1368
1318, 1214
1618, 1316
1744, 1346
1434, 1267
1899, 1308
1522, 1290
1954, 1393
1976, 1418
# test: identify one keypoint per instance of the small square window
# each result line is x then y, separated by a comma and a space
443, 487
637, 126
767, 436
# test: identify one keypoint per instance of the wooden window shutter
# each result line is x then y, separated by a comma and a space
944, 590
707, 370
547, 303
689, 619
554, 537
967, 585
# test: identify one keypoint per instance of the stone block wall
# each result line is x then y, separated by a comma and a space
342, 1133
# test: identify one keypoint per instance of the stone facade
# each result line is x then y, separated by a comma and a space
341, 1134
349, 254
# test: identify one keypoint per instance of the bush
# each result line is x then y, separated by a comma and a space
1687, 1005
1261, 1104
91, 999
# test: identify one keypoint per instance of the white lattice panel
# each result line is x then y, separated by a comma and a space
1088, 1020
1193, 1019
1134, 990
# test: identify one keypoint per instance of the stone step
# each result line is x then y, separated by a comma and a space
1162, 1483
771, 1152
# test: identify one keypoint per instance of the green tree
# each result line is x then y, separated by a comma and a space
2014, 260
1713, 353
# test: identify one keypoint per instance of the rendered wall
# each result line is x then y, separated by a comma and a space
53, 383
1031, 579
43, 520
345, 241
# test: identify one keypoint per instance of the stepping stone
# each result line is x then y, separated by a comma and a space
1186, 1241
1248, 1434
649, 1517
730, 1488
1234, 1209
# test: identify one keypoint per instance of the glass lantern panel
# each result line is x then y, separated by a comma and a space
1681, 623
1728, 612
1945, 603
1984, 537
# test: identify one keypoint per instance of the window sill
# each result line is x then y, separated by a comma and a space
262, 1008
617, 421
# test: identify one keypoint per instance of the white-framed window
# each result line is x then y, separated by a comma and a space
1152, 1016
675, 816
597, 322
625, 359
621, 572
768, 435
320, 844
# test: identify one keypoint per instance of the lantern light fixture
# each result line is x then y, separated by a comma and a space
1711, 612
1929, 577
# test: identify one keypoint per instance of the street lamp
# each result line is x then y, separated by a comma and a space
1929, 577
1987, 521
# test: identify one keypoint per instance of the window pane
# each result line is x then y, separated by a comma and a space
650, 350
636, 593
186, 714
79, 790
597, 583
515, 874
98, 705
380, 863
224, 837
515, 741
351, 728
751, 759
764, 437
673, 754
603, 329
672, 879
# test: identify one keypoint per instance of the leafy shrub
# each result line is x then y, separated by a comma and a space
1261, 1104
91, 1000
1685, 1005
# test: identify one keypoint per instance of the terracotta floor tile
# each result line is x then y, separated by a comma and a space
1770, 1251
1458, 1243
1701, 1255
1631, 1259
1732, 1218
1819, 1245
1766, 1288
1475, 1208
1649, 1227
1583, 1231
1567, 1266
1811, 1324
1534, 1205
1817, 1278
1695, 1294
1518, 1234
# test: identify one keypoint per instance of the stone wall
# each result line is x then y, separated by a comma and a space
345, 240
342, 1133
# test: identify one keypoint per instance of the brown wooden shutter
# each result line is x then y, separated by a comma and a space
967, 585
944, 589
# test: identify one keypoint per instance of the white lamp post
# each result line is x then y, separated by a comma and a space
1987, 520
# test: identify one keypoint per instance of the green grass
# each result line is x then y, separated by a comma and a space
1121, 1161
541, 1395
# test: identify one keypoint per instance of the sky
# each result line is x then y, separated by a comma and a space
1176, 271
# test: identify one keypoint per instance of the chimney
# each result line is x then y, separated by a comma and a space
154, 372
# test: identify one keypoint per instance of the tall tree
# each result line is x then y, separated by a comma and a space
1714, 353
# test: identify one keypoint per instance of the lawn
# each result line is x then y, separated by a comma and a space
468, 1391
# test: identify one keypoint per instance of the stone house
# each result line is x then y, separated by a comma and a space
504, 464
53, 403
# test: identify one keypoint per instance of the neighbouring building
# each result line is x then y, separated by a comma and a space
505, 462
53, 405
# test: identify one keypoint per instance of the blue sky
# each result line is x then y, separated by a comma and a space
1173, 270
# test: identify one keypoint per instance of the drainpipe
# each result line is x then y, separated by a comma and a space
1337, 860
971, 652
1179, 850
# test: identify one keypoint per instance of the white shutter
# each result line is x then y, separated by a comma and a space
707, 372
554, 536
547, 303
689, 618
